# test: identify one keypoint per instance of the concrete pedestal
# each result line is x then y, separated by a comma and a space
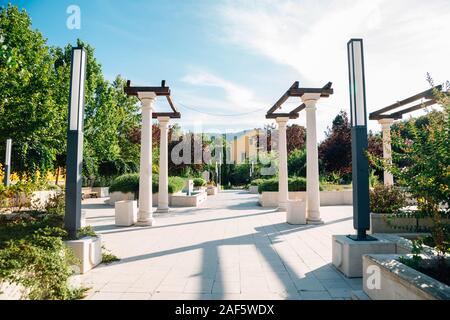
347, 253
88, 250
125, 213
296, 212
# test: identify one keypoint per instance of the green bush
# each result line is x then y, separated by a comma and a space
257, 182
386, 199
126, 183
176, 184
199, 182
33, 254
294, 184
297, 163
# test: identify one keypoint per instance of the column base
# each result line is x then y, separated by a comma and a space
281, 209
162, 210
145, 219
315, 221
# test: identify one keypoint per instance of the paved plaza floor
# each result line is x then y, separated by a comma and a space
229, 248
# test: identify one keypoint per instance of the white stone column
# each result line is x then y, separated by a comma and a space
312, 160
283, 194
145, 214
163, 193
387, 151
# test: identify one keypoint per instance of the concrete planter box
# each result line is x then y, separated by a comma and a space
398, 281
183, 200
88, 250
327, 198
119, 196
125, 213
102, 192
212, 191
296, 212
12, 291
379, 224
253, 189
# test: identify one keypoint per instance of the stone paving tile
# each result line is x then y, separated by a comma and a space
230, 248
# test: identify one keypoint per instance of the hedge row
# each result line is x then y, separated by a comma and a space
294, 184
130, 183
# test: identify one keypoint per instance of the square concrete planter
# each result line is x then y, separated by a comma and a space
88, 250
296, 212
397, 281
212, 191
126, 213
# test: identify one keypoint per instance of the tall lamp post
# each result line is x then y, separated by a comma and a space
7, 163
360, 165
74, 162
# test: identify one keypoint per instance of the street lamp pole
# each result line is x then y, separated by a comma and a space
7, 163
74, 162
360, 165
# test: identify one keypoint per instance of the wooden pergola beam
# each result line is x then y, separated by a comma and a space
159, 91
283, 98
282, 115
295, 91
428, 94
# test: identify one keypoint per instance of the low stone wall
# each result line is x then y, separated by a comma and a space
379, 223
253, 189
396, 281
119, 196
327, 198
193, 200
102, 192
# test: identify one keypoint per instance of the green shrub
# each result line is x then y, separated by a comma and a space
176, 184
257, 182
294, 184
40, 262
126, 183
386, 199
199, 182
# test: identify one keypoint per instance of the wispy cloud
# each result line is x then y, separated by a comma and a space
404, 39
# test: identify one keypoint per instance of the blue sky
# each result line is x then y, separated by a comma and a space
238, 57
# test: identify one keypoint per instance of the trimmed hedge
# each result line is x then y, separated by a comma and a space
176, 184
199, 182
257, 182
294, 184
126, 183
130, 183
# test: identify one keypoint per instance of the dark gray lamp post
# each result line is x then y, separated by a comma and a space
360, 165
74, 162
7, 163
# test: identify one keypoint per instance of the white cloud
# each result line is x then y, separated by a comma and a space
404, 39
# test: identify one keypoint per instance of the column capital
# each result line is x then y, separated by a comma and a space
282, 121
147, 99
386, 122
163, 121
310, 99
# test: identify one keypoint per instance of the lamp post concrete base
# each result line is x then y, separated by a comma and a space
347, 253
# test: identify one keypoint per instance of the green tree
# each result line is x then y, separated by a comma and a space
28, 112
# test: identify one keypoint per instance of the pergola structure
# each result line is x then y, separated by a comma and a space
386, 116
309, 98
147, 96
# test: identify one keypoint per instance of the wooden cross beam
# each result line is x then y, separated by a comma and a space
427, 94
295, 91
159, 91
